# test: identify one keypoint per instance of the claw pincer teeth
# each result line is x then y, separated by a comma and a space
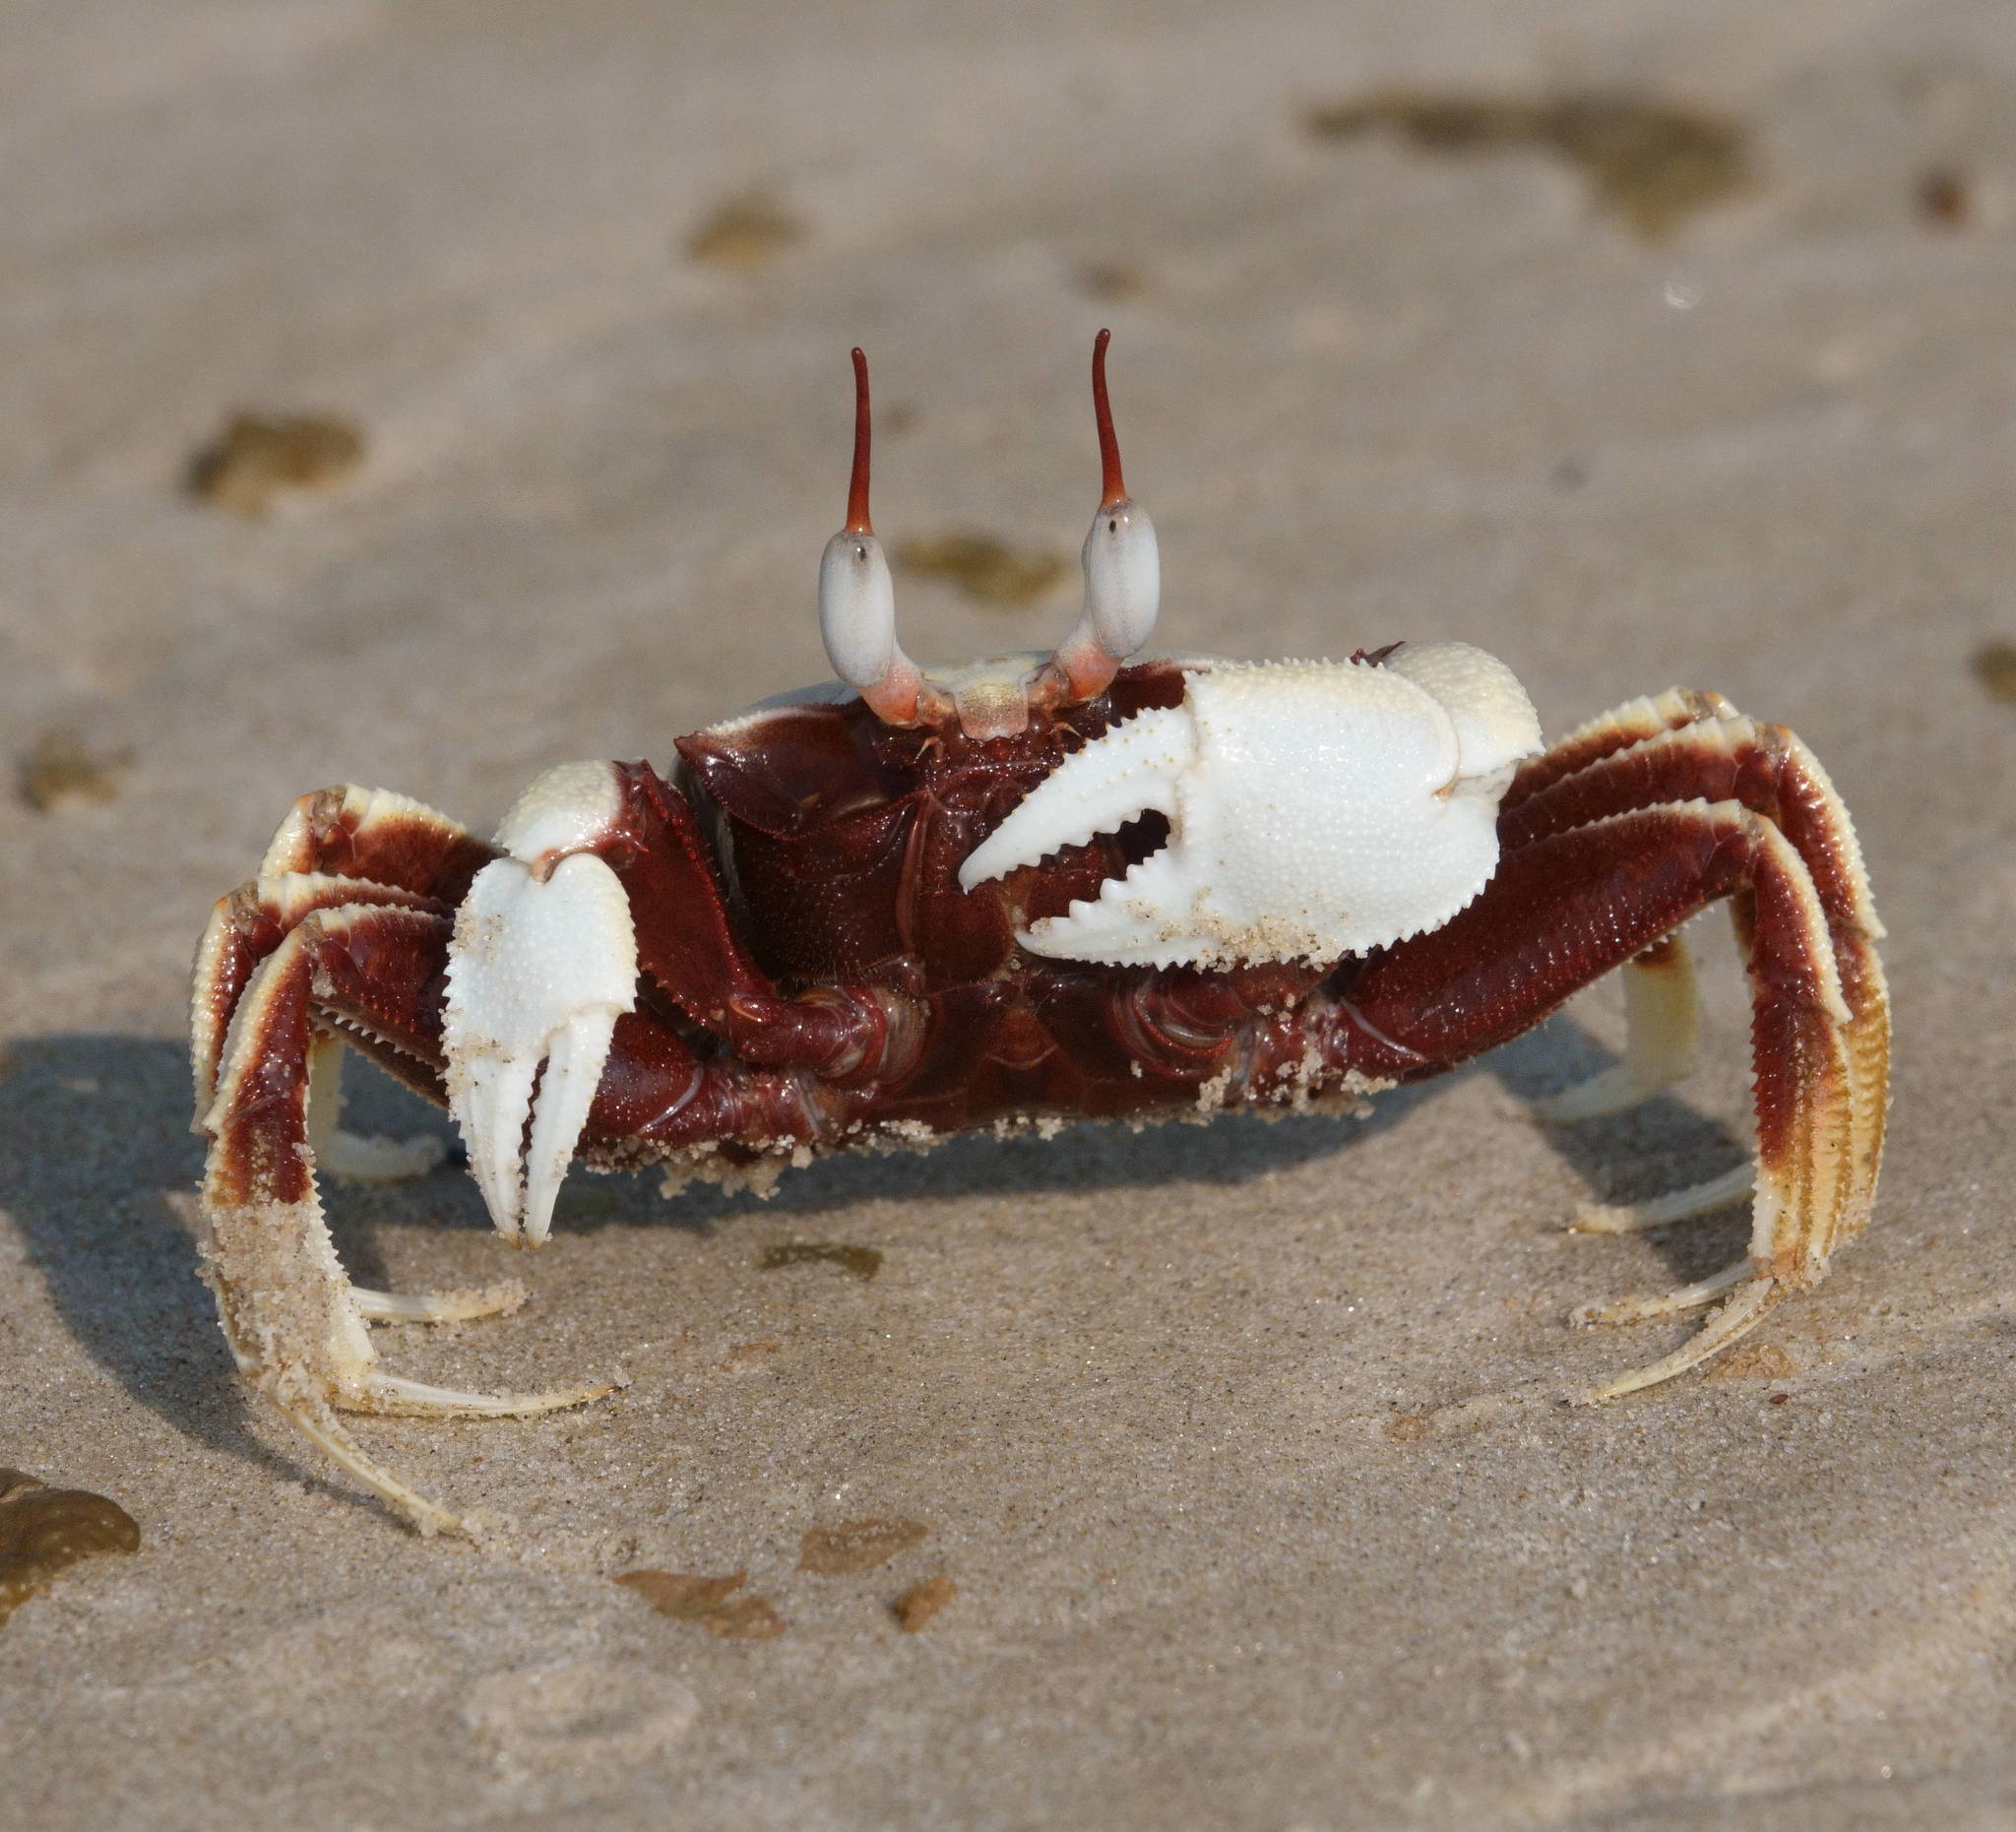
538, 971
1131, 768
1315, 810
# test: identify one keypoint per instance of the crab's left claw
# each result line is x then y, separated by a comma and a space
538, 971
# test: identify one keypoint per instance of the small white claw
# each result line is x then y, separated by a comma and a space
491, 1094
538, 971
574, 1065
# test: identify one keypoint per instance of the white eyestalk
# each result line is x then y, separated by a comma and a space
858, 599
1123, 566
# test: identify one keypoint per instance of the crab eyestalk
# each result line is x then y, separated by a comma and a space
1123, 566
856, 597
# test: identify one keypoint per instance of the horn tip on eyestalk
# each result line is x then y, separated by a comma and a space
858, 521
1112, 485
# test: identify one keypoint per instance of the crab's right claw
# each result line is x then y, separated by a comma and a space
1314, 810
539, 972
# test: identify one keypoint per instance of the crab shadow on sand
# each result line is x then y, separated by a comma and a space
95, 1142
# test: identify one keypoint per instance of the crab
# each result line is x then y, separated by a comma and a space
1063, 886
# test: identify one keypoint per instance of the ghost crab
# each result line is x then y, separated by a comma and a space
1045, 887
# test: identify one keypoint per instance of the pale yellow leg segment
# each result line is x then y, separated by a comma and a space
1753, 1298
1663, 1022
387, 1160
388, 1393
348, 1154
296, 1335
1666, 1304
1678, 1205
1814, 1178
316, 1422
376, 1160
476, 1300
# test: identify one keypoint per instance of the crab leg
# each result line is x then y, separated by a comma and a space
1566, 907
1747, 1300
379, 835
1662, 1020
1609, 732
245, 928
350, 1155
288, 1310
336, 846
1676, 1205
1772, 773
330, 841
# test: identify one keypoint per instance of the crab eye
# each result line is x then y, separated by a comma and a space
858, 609
1122, 578
1122, 564
857, 597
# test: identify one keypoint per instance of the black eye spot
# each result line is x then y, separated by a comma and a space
1113, 526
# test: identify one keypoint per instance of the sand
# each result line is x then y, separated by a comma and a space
1239, 1445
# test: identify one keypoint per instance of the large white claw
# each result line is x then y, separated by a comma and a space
1315, 810
538, 971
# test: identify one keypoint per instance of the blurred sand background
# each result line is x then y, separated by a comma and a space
1239, 1445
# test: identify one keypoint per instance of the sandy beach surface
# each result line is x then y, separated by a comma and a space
1243, 1446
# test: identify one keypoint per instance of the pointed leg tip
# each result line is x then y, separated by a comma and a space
502, 1299
431, 1522
400, 1397
617, 1382
562, 1398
